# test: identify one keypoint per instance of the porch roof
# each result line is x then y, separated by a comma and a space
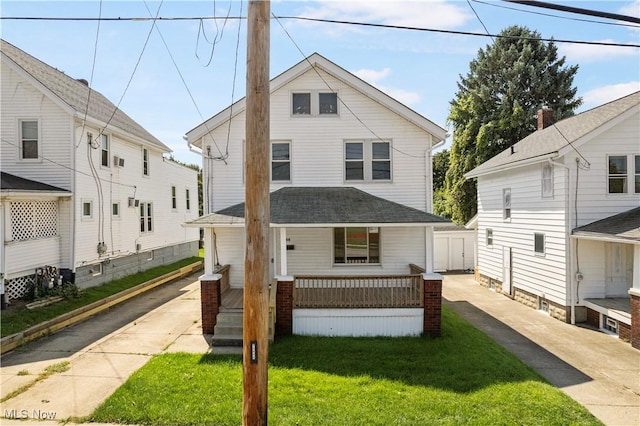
325, 206
13, 185
623, 227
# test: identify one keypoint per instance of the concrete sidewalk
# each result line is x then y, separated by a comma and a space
103, 352
594, 368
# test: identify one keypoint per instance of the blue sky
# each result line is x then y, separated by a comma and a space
418, 68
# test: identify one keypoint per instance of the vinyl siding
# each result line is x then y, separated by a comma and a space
317, 146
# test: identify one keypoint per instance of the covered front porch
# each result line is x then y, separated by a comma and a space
333, 249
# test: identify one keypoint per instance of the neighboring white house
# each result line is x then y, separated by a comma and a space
455, 248
351, 179
84, 188
558, 217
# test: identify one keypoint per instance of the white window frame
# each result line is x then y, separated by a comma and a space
370, 230
546, 179
506, 204
146, 217
174, 198
115, 206
274, 161
367, 160
314, 103
96, 269
489, 237
21, 157
146, 170
187, 197
105, 153
84, 202
543, 251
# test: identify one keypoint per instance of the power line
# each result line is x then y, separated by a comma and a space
591, 21
342, 22
578, 10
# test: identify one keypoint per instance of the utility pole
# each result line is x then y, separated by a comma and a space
257, 217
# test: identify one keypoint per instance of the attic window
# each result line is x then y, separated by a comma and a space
301, 104
328, 103
314, 103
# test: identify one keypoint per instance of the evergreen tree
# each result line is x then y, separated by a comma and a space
496, 105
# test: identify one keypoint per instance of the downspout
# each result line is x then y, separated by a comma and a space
74, 199
568, 240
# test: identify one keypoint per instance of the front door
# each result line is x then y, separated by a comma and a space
507, 270
457, 254
619, 269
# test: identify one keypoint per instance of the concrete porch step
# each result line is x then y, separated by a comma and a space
228, 329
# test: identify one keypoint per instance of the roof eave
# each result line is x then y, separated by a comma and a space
596, 236
509, 166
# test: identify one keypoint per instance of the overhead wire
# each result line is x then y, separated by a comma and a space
233, 85
155, 25
219, 32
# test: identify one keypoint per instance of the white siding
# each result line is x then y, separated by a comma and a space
317, 146
445, 255
530, 213
22, 257
592, 265
20, 100
358, 322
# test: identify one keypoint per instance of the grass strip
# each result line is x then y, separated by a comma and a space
15, 321
60, 367
463, 377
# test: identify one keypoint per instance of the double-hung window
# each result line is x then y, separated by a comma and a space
617, 174
489, 237
547, 181
538, 243
104, 149
188, 199
637, 173
145, 162
29, 140
367, 160
280, 161
146, 217
356, 245
506, 204
174, 198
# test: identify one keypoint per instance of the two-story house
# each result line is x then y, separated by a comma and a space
84, 188
351, 191
558, 218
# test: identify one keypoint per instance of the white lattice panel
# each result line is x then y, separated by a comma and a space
16, 288
31, 220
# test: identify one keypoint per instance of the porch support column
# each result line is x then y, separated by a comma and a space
428, 240
636, 267
284, 306
210, 299
283, 252
432, 304
209, 252
634, 292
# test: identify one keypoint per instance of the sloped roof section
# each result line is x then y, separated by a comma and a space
623, 226
12, 183
326, 206
552, 139
75, 94
318, 61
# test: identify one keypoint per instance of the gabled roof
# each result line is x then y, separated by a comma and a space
551, 141
10, 184
624, 227
326, 206
74, 94
320, 62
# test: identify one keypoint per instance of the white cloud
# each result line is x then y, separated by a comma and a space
631, 9
372, 76
594, 53
602, 95
425, 14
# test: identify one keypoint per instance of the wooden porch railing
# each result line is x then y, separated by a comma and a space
398, 291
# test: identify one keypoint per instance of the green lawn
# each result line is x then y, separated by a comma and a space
461, 378
17, 319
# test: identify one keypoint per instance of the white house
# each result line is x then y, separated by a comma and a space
85, 188
351, 191
558, 218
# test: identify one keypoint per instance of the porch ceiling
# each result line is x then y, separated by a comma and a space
326, 206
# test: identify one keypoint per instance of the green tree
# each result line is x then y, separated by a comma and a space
440, 167
496, 104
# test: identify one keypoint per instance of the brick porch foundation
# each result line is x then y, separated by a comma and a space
432, 305
284, 307
210, 299
635, 318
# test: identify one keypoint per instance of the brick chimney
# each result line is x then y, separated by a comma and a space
545, 117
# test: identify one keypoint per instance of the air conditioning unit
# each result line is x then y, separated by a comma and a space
117, 161
133, 202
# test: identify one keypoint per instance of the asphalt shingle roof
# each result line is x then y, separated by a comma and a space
327, 205
625, 225
9, 182
75, 94
554, 138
